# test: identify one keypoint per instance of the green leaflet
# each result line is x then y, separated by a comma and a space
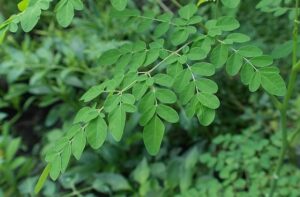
231, 3
96, 132
205, 115
250, 51
147, 115
65, 11
116, 120
207, 86
187, 11
179, 37
119, 4
234, 64
42, 179
186, 95
237, 37
272, 82
65, 157
152, 56
208, 100
2, 33
219, 55
203, 69
197, 53
163, 80
23, 5
31, 14
55, 167
255, 82
92, 93
78, 144
142, 172
85, 115
139, 90
227, 23
153, 134
167, 113
165, 96
262, 61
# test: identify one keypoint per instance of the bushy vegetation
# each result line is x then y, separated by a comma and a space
149, 98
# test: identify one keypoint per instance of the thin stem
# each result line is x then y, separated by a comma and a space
283, 111
163, 6
175, 2
173, 53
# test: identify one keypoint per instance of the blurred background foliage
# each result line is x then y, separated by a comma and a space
44, 73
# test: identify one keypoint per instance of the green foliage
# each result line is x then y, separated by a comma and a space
153, 78
142, 75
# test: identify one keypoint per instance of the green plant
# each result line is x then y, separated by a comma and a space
166, 71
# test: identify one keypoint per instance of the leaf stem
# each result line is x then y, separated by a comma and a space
283, 110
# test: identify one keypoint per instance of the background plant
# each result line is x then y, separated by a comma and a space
220, 50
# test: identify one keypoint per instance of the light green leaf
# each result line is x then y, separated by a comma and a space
272, 82
203, 69
111, 102
116, 121
141, 172
255, 82
30, 18
147, 101
227, 23
165, 96
128, 98
153, 134
231, 3
207, 86
23, 5
163, 80
179, 37
262, 61
187, 94
139, 90
238, 37
206, 116
119, 4
191, 107
167, 113
208, 100
65, 157
109, 57
161, 29
152, 56
78, 5
147, 115
65, 13
12, 149
219, 55
78, 144
138, 60
55, 167
234, 64
42, 179
92, 93
247, 73
182, 80
96, 132
186, 12
2, 34
250, 51
197, 53
85, 114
